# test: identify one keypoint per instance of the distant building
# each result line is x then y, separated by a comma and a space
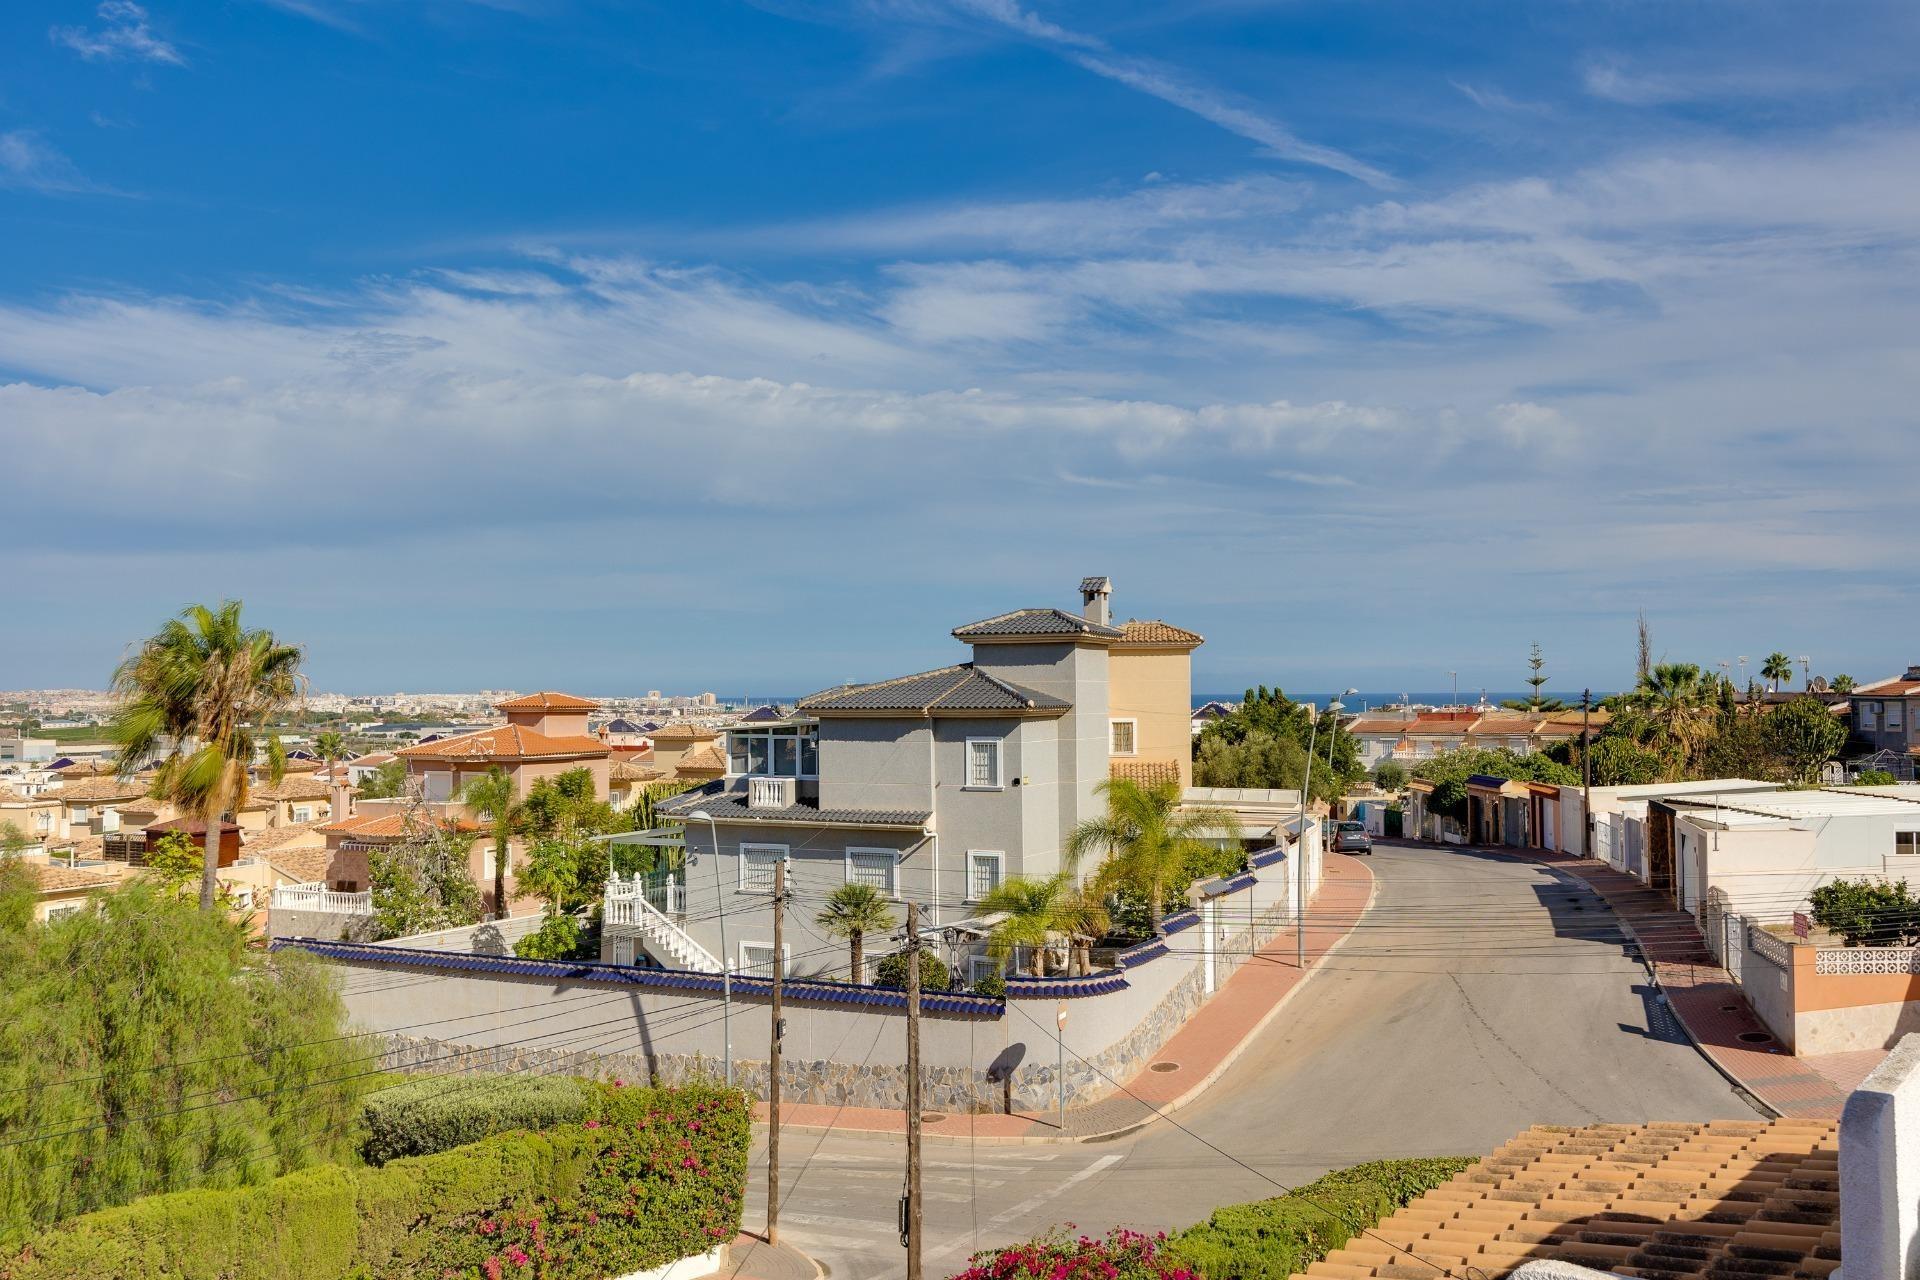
1884, 715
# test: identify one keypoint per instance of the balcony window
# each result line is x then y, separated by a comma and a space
788, 751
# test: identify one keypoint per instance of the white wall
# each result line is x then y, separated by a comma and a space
1880, 1171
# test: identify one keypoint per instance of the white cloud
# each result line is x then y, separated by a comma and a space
29, 163
1173, 87
1488, 98
124, 34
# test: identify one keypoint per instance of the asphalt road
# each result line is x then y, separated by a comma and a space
1478, 996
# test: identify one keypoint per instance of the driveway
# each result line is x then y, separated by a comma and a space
1480, 994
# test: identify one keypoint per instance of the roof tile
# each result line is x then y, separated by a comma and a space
956, 688
506, 742
1031, 623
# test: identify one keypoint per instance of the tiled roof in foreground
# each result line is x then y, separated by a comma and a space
956, 688
731, 806
1152, 631
1726, 1198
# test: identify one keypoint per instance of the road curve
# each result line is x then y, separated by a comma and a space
1480, 994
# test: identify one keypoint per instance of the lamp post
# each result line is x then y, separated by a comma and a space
726, 961
1334, 709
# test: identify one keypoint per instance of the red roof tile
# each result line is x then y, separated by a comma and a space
549, 700
506, 742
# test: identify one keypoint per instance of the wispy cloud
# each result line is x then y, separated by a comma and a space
1489, 98
1615, 80
1173, 87
124, 34
29, 163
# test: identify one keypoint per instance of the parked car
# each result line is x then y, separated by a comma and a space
1352, 837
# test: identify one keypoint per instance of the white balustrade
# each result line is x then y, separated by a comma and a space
317, 897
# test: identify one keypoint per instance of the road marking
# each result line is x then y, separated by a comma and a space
858, 1226
1033, 1202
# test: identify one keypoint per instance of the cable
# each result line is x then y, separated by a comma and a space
1224, 1153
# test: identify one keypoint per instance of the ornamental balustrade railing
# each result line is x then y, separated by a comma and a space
1838, 960
317, 897
1775, 951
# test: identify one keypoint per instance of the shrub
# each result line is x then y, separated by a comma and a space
1290, 1233
1874, 778
1119, 1255
438, 1113
892, 972
1868, 913
1390, 775
557, 938
579, 1202
992, 985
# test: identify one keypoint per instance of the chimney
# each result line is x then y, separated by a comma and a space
1096, 600
342, 795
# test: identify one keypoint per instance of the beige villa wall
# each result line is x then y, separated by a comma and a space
1154, 688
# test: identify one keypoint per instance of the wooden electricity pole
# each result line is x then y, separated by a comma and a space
773, 1054
911, 1227
1586, 765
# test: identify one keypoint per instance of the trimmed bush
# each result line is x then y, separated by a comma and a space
892, 972
438, 1113
581, 1202
1119, 1255
1290, 1233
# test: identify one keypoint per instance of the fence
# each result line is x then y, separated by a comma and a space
317, 897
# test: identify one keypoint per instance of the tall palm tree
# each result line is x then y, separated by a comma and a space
201, 689
1842, 684
1034, 910
1085, 919
1674, 705
492, 798
1777, 668
852, 912
1146, 838
331, 747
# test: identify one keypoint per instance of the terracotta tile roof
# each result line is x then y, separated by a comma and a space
1378, 724
1898, 686
1153, 631
506, 742
1145, 772
270, 842
384, 826
101, 788
84, 847
622, 771
1745, 1197
1504, 726
372, 758
549, 700
707, 759
292, 787
685, 733
54, 879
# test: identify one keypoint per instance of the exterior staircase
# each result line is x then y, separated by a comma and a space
629, 910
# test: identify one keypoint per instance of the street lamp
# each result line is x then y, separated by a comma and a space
1334, 709
726, 961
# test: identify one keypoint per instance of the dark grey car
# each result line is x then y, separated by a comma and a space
1352, 837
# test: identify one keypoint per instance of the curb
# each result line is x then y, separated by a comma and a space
1748, 1094
1233, 1055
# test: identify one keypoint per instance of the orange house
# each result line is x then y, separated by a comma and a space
545, 735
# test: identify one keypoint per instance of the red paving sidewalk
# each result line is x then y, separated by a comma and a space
1710, 1004
1203, 1048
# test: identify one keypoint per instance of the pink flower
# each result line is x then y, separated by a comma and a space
518, 1256
619, 1083
492, 1267
593, 1124
488, 1226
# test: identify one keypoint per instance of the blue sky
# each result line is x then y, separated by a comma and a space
678, 345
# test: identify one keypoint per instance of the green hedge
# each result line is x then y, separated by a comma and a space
1290, 1233
429, 1114
660, 1177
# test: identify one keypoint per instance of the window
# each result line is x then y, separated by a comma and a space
877, 867
1121, 734
756, 959
1906, 843
1893, 715
79, 813
756, 866
983, 873
303, 813
979, 967
437, 786
62, 909
983, 762
1869, 715
788, 751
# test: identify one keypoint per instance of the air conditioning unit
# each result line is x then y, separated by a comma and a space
771, 793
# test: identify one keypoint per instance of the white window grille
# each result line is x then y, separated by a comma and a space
756, 959
983, 762
1122, 741
877, 867
983, 874
756, 866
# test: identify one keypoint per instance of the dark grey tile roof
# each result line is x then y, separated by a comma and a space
760, 714
1098, 583
730, 805
1035, 622
956, 688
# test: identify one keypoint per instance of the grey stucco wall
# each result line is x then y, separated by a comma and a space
332, 926
877, 763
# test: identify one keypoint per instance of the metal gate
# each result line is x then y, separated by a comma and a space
1733, 942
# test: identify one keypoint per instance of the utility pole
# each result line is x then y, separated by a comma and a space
910, 1226
773, 1054
1586, 773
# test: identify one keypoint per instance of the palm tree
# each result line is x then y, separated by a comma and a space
1842, 684
1085, 919
1146, 838
1034, 911
1674, 706
331, 747
1777, 668
852, 912
199, 689
491, 796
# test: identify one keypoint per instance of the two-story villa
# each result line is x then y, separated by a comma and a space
932, 787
